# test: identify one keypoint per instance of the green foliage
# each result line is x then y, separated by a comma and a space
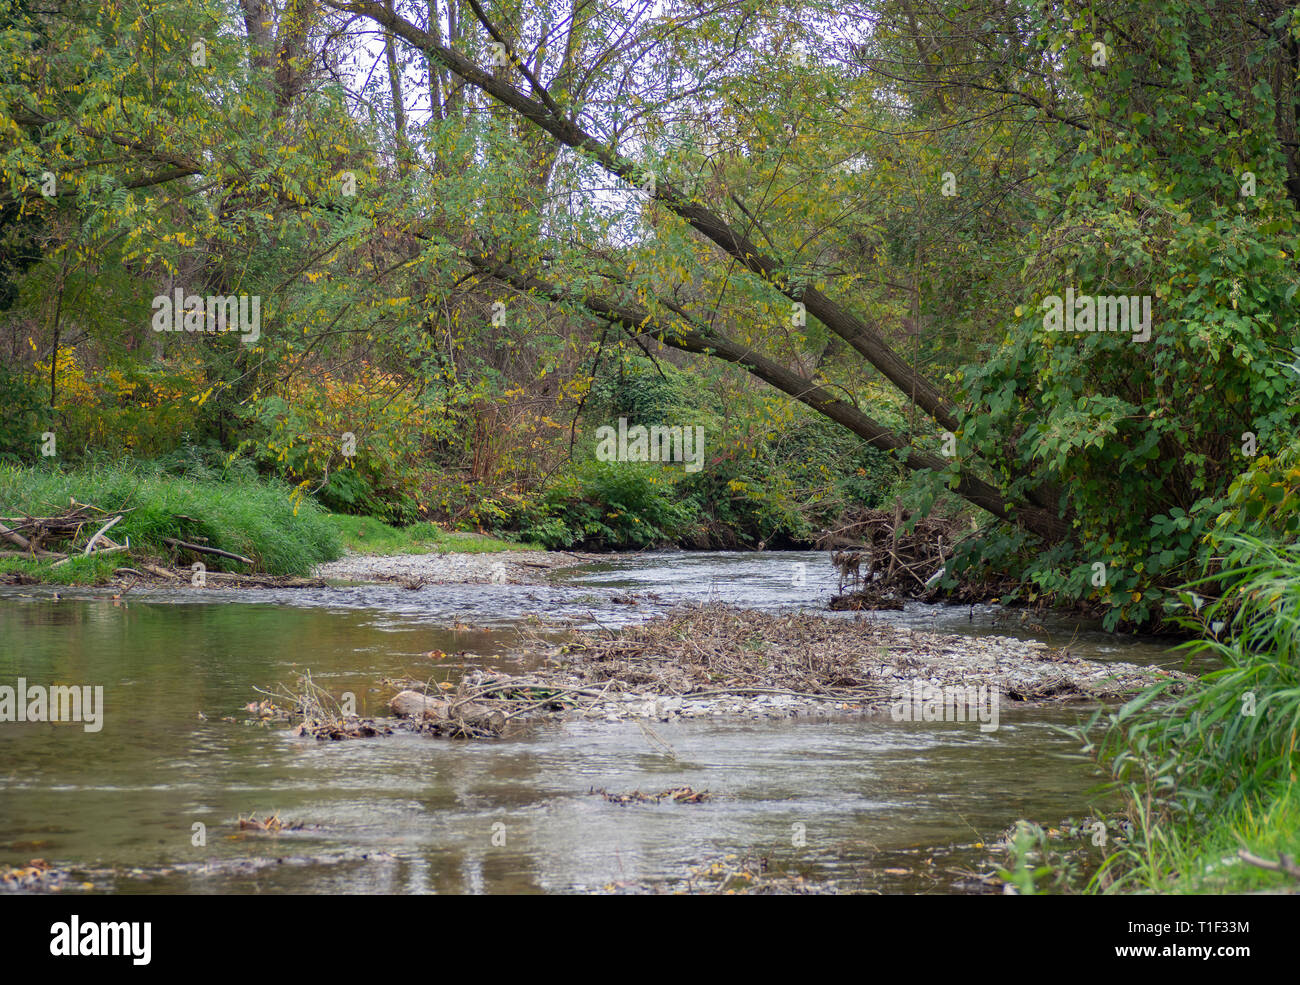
1205, 859
1192, 760
1266, 496
795, 480
255, 518
772, 474
23, 413
1038, 865
610, 506
351, 491
643, 396
1143, 438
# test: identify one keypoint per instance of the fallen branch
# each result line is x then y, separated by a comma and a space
15, 538
100, 533
201, 549
106, 550
92, 506
1285, 863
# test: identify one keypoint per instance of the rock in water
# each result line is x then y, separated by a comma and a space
413, 704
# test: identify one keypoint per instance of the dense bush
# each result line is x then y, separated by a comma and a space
611, 506
21, 401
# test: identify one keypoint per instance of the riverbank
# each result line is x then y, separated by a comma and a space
1252, 851
1209, 775
369, 536
121, 526
77, 527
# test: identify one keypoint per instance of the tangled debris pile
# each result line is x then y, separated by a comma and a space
886, 556
322, 717
792, 663
678, 795
31, 534
481, 705
715, 660
271, 824
874, 554
459, 716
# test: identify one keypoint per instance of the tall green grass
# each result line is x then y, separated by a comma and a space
235, 512
1224, 750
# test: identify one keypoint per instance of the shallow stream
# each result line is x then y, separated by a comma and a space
868, 803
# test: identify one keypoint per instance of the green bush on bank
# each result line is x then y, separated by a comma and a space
770, 474
610, 506
777, 492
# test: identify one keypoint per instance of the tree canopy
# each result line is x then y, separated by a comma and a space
458, 214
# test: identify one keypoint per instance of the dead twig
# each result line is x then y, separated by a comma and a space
201, 549
1285, 863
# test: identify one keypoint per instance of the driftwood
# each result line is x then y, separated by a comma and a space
29, 532
106, 550
1285, 863
90, 545
266, 581
849, 565
202, 549
15, 538
31, 548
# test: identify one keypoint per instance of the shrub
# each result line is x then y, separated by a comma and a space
610, 506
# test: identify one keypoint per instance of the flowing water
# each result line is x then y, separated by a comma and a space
865, 802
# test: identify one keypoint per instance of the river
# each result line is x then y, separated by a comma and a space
870, 804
